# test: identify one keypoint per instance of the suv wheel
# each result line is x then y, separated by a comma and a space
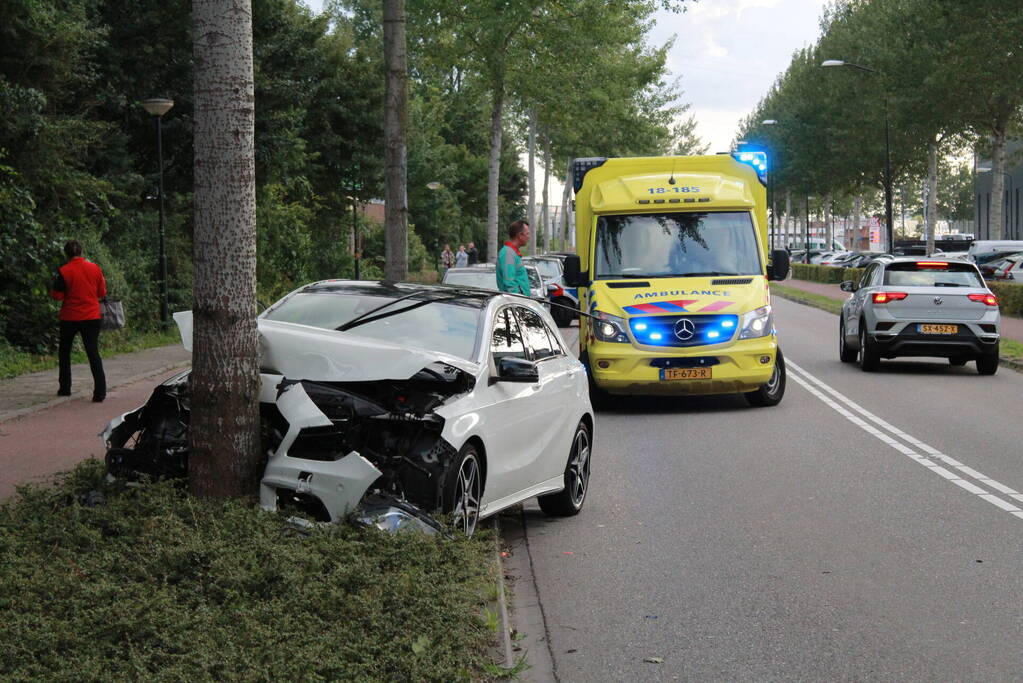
869, 358
846, 354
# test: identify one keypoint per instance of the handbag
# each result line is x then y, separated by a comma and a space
111, 314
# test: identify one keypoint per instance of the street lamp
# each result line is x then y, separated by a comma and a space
158, 106
1008, 214
887, 151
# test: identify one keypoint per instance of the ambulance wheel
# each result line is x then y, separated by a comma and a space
562, 316
599, 399
771, 393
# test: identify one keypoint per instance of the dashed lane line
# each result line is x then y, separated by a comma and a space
931, 457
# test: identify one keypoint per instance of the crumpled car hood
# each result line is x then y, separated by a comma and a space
299, 352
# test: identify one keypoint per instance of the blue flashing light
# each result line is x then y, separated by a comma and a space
713, 334
656, 335
727, 323
639, 327
756, 159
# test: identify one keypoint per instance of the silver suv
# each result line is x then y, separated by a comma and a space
920, 307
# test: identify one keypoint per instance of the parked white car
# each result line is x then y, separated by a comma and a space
388, 400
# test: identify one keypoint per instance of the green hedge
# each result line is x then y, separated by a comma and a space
1010, 294
826, 274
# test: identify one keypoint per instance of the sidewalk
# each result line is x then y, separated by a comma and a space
1012, 328
41, 433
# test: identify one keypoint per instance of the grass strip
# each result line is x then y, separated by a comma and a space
153, 584
14, 362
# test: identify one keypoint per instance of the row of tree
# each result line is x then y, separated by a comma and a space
943, 72
78, 155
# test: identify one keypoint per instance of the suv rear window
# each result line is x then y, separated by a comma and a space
932, 274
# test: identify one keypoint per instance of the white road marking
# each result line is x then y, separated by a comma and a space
822, 391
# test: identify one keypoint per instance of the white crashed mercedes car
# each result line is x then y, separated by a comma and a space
386, 401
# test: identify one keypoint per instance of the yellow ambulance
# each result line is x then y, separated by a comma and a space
673, 264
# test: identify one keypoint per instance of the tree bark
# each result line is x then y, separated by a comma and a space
531, 180
857, 219
566, 197
494, 169
545, 211
224, 439
996, 224
931, 212
788, 218
395, 141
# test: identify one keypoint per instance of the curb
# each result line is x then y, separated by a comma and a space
1011, 363
502, 600
21, 412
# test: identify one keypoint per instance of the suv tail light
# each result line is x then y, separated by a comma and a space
885, 297
986, 299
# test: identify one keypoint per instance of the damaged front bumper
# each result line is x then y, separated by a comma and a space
372, 451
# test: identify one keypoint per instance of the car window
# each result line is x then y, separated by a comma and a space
539, 339
507, 340
534, 278
932, 274
867, 274
482, 278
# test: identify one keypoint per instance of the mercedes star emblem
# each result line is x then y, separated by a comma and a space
685, 329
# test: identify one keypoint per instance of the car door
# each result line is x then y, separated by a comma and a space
557, 395
510, 414
855, 307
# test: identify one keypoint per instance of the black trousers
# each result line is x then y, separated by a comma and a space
89, 330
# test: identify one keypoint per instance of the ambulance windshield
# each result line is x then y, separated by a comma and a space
676, 245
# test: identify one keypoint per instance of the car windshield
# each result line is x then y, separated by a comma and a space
534, 278
448, 326
676, 244
549, 269
940, 274
479, 277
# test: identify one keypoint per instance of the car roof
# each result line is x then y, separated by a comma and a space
916, 259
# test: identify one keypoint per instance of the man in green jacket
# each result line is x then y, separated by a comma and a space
511, 274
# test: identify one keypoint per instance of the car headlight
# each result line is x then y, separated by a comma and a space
758, 323
610, 328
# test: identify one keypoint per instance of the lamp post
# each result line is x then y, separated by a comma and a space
1008, 214
887, 151
158, 106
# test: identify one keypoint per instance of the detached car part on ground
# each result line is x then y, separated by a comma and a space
391, 402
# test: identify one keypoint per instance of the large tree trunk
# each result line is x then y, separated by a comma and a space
788, 218
546, 213
566, 196
494, 169
531, 180
931, 211
996, 224
224, 427
395, 153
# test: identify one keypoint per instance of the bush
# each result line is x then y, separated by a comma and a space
153, 584
1010, 297
826, 274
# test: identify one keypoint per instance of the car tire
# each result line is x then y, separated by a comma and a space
771, 393
562, 316
463, 490
569, 501
988, 363
869, 358
845, 353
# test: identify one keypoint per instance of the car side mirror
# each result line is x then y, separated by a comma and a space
848, 286
573, 277
779, 267
517, 370
552, 288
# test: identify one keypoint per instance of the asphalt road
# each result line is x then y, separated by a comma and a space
867, 528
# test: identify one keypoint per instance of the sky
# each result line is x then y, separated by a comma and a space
727, 53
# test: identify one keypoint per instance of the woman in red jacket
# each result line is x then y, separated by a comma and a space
80, 285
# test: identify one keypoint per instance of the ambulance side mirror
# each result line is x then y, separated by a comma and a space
779, 267
573, 278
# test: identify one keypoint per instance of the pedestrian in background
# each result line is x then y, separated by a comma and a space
474, 256
447, 259
511, 274
461, 258
79, 284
